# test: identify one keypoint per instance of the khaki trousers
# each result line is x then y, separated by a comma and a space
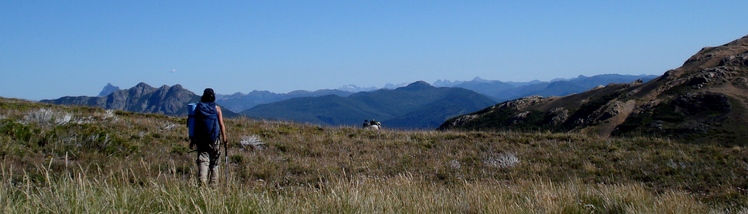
207, 164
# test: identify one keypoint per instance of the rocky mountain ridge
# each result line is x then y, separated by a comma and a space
168, 100
706, 98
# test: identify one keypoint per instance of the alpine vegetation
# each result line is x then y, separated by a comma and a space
133, 162
252, 141
45, 116
502, 160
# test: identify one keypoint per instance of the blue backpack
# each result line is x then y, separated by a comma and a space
191, 119
206, 129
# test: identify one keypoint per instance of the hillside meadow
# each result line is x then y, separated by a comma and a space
58, 159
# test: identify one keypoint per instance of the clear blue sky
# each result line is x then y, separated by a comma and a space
50, 49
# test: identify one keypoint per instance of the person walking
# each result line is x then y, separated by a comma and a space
209, 132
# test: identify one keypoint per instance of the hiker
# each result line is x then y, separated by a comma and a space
209, 132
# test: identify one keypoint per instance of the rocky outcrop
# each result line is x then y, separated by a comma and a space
704, 98
168, 100
108, 89
515, 106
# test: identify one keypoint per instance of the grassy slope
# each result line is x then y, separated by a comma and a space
78, 159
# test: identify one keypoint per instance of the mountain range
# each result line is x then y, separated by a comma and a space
503, 91
415, 106
426, 113
496, 90
706, 99
168, 100
239, 102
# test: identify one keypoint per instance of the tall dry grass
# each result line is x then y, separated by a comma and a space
86, 160
403, 193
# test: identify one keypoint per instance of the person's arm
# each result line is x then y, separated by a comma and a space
220, 122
